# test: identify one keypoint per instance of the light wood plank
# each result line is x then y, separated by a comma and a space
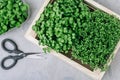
96, 74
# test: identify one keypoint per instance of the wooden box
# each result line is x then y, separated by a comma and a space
95, 74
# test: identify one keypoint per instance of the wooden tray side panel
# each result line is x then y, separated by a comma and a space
30, 34
96, 74
101, 7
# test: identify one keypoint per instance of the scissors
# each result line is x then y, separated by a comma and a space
19, 54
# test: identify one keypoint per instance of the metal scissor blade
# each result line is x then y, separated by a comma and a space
36, 56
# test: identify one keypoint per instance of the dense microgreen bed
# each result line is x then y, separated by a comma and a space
12, 14
69, 27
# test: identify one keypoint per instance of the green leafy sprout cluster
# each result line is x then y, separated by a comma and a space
70, 27
12, 14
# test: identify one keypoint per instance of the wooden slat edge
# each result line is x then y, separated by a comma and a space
101, 7
36, 18
31, 36
110, 59
114, 53
76, 65
67, 60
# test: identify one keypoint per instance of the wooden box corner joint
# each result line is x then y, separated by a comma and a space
95, 74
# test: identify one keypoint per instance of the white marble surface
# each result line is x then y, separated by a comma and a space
49, 68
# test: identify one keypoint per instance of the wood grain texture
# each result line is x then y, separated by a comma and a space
101, 7
96, 74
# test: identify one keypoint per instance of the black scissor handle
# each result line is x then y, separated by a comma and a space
3, 65
10, 41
